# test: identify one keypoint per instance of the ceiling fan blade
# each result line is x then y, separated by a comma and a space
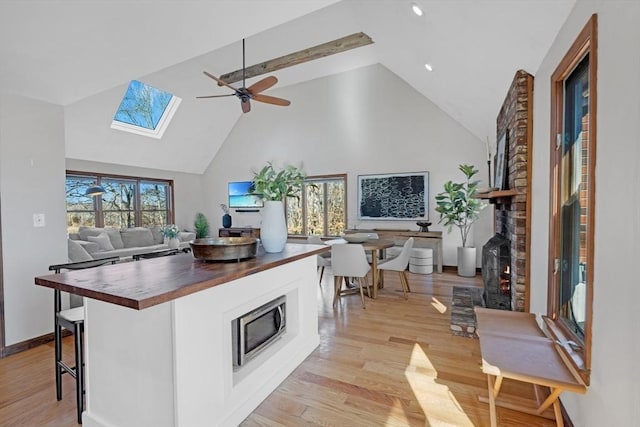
220, 82
216, 96
262, 85
245, 104
272, 100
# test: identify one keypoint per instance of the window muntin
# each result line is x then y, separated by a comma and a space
127, 201
571, 239
321, 209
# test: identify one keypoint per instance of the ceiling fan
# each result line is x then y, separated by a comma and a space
246, 94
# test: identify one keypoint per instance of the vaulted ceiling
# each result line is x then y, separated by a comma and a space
81, 55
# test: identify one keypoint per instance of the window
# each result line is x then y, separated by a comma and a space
145, 110
127, 201
573, 156
322, 207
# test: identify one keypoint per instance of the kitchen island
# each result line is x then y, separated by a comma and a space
159, 335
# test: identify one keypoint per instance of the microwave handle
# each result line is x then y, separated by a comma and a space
280, 317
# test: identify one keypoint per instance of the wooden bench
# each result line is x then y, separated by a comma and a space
513, 346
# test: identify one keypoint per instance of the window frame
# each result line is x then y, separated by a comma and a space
585, 45
314, 179
98, 211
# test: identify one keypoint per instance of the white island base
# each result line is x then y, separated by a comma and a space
171, 364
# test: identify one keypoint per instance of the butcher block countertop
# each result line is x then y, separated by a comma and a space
143, 284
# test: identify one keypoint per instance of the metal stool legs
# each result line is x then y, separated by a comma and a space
77, 371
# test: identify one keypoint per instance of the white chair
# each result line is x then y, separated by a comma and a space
323, 260
349, 260
399, 264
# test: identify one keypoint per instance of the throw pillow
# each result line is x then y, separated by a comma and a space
102, 240
114, 236
76, 252
85, 232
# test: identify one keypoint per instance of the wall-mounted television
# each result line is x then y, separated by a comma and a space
240, 196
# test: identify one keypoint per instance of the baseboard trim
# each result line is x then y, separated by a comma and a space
28, 344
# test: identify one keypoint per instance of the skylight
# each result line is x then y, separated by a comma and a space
145, 110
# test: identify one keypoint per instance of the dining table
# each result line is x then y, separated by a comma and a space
376, 246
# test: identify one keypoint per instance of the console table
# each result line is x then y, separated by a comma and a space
423, 239
239, 232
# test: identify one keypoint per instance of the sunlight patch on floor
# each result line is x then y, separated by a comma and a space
438, 305
438, 403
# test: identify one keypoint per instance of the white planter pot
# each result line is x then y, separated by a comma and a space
173, 243
273, 231
466, 262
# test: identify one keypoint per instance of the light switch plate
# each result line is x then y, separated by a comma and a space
38, 220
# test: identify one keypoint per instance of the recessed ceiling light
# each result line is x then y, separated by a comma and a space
416, 9
428, 67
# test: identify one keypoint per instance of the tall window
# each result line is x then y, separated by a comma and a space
573, 155
321, 208
127, 201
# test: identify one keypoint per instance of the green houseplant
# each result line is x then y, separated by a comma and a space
201, 226
278, 184
275, 186
458, 207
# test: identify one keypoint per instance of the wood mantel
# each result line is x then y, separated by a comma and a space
140, 285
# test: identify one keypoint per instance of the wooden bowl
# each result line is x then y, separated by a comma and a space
224, 248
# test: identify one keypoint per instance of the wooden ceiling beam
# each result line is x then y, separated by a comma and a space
316, 52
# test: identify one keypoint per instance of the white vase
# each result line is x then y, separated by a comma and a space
466, 262
173, 243
273, 231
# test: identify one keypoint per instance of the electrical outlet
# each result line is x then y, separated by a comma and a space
38, 220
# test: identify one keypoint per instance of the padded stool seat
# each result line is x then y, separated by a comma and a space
421, 261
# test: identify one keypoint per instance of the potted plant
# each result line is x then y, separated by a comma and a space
170, 232
275, 186
201, 226
458, 206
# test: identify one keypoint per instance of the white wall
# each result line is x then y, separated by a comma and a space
187, 187
31, 181
365, 121
613, 397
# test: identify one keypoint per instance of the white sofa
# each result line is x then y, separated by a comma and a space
96, 243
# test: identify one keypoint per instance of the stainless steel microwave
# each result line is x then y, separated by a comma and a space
257, 329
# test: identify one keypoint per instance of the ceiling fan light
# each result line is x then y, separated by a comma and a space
428, 67
416, 9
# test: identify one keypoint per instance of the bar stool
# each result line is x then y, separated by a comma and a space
71, 319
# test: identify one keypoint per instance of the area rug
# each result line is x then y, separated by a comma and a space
463, 318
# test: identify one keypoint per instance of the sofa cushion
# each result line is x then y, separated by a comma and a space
85, 232
158, 237
76, 252
90, 247
186, 236
137, 236
103, 241
115, 237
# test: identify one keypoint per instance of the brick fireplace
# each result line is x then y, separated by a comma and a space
512, 211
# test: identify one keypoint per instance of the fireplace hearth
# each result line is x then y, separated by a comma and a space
496, 274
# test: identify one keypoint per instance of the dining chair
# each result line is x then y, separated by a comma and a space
399, 264
349, 260
323, 260
72, 319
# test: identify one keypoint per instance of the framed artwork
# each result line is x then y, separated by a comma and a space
396, 196
501, 163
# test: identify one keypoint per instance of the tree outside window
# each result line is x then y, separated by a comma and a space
321, 209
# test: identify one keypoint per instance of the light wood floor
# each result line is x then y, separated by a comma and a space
393, 364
